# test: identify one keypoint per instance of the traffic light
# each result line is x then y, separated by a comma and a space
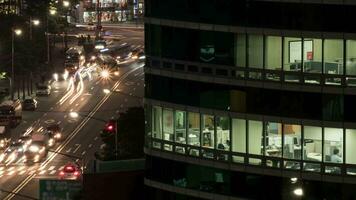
110, 126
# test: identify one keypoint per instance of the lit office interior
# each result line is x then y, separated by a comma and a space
311, 55
199, 134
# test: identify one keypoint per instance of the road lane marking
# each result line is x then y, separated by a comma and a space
76, 149
22, 172
90, 145
68, 150
83, 153
69, 138
96, 138
11, 173
42, 172
52, 172
51, 168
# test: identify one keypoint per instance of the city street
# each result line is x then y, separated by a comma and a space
82, 139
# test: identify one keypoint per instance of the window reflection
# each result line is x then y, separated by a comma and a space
351, 57
333, 150
223, 133
273, 52
180, 126
207, 131
292, 141
350, 146
312, 55
333, 56
292, 54
273, 139
240, 50
312, 143
168, 124
157, 122
255, 51
193, 129
255, 137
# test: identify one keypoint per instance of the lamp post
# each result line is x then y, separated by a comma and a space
12, 80
33, 22
66, 5
75, 115
98, 20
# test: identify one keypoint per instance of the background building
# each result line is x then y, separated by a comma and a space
11, 6
112, 10
252, 99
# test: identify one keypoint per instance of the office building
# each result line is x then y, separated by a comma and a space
250, 99
112, 10
11, 6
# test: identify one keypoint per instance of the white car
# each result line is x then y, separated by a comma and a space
43, 90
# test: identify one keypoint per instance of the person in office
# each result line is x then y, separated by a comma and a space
336, 158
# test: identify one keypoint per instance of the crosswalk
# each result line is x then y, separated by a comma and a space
51, 170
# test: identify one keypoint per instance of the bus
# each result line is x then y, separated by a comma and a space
10, 113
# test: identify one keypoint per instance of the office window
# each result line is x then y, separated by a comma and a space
333, 56
292, 54
255, 137
193, 129
255, 51
292, 141
333, 145
207, 131
351, 57
239, 135
350, 146
157, 122
240, 50
312, 143
273, 53
312, 55
273, 140
168, 124
180, 126
223, 133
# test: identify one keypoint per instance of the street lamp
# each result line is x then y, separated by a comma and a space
66, 3
52, 12
17, 32
34, 22
111, 125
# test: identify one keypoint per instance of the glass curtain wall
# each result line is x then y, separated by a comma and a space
223, 133
208, 131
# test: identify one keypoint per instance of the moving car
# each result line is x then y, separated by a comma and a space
36, 151
5, 136
12, 153
70, 171
26, 141
54, 131
43, 90
29, 104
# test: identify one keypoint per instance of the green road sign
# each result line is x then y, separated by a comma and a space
59, 189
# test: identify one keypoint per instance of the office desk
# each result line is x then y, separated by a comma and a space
314, 156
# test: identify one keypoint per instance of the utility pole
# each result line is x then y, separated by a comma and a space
98, 20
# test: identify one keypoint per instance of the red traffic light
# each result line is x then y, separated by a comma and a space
110, 126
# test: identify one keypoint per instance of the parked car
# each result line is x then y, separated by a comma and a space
29, 104
70, 171
43, 90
